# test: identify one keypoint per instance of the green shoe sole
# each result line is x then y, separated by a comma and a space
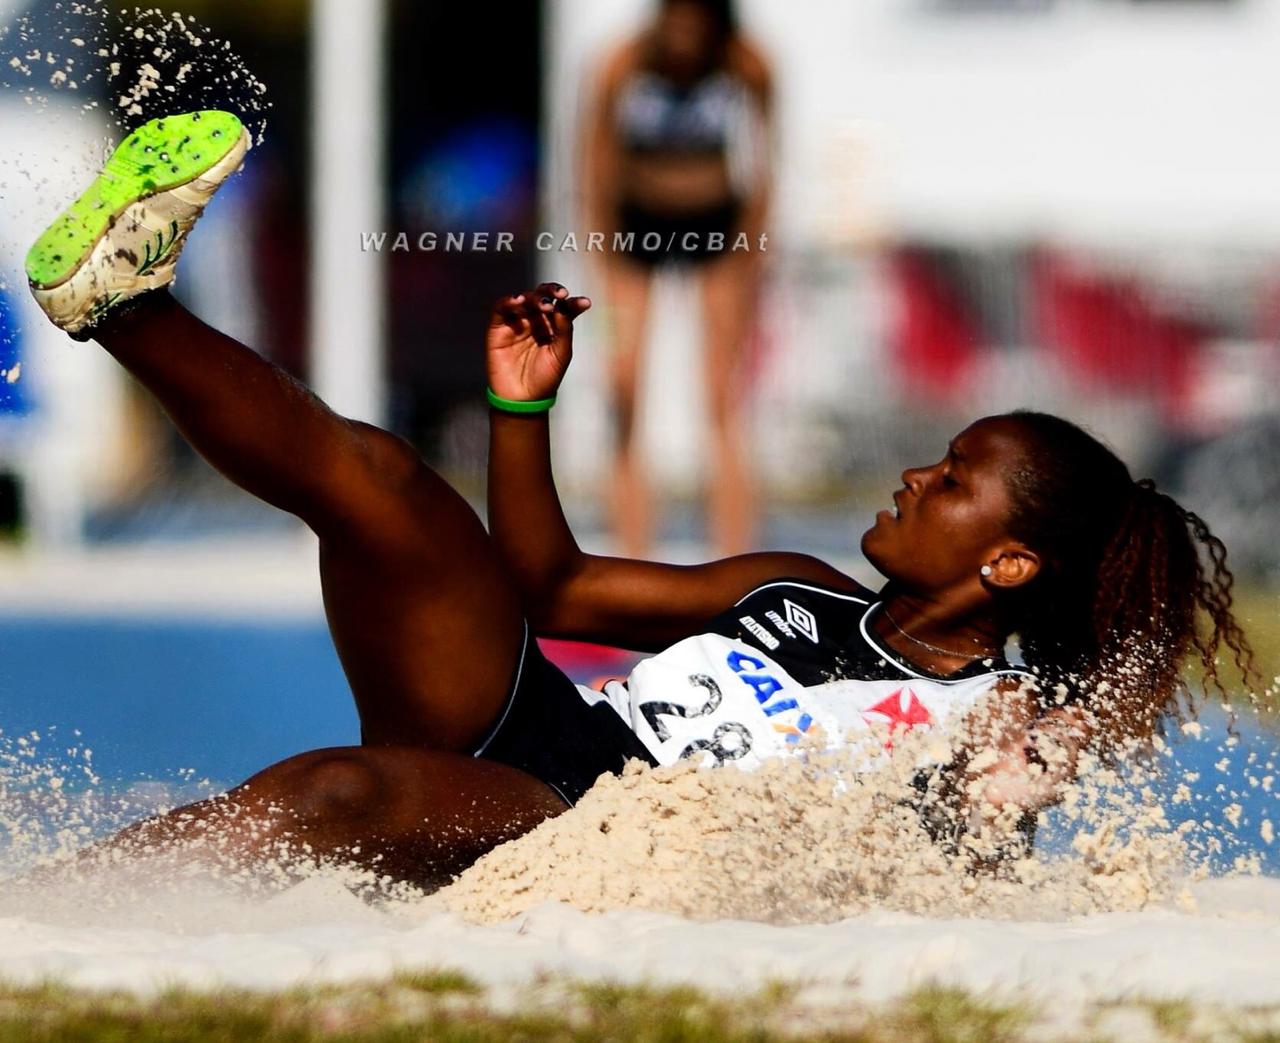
158, 156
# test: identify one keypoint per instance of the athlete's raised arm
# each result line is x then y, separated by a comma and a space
567, 593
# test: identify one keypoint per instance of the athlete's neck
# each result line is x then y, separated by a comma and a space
940, 638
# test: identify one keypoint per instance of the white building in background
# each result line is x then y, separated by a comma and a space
348, 309
1114, 123
1142, 129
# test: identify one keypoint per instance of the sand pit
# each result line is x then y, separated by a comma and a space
793, 843
725, 880
318, 934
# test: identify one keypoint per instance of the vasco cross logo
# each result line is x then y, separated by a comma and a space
802, 619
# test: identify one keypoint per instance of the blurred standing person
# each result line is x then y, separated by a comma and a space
676, 155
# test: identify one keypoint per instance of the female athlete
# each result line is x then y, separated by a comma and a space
469, 737
676, 160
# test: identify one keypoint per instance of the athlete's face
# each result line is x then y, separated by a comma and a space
951, 518
684, 35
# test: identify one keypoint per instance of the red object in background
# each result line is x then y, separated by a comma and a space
1267, 325
1111, 337
937, 339
589, 664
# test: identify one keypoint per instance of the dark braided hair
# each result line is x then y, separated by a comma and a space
1114, 610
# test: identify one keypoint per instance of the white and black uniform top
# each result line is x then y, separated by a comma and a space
789, 658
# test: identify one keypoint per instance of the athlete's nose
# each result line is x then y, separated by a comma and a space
913, 479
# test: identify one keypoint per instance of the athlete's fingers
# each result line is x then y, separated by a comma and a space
547, 296
564, 310
552, 290
538, 309
572, 307
509, 311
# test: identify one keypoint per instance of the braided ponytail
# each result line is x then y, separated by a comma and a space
1126, 575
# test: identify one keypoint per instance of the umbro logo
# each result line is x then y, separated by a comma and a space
802, 619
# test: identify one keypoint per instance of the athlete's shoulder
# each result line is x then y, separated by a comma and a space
835, 588
807, 616
746, 59
620, 62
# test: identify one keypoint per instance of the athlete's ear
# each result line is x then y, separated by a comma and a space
1011, 566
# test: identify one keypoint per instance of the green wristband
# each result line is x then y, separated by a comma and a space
510, 405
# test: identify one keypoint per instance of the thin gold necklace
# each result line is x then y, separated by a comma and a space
932, 648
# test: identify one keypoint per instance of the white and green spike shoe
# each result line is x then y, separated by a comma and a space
123, 236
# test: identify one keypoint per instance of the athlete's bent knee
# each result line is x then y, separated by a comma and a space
378, 476
388, 461
333, 786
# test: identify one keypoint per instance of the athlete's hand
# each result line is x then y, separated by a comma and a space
530, 342
1031, 768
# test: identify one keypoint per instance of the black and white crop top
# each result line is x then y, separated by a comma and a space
654, 115
789, 658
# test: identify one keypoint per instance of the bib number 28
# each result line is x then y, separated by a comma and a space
729, 742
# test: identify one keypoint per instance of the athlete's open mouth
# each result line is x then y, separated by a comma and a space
894, 513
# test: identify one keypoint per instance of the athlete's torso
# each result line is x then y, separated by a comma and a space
655, 116
790, 658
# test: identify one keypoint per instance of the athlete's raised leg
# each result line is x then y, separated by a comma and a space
428, 629
426, 624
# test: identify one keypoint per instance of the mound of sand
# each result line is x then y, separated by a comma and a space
801, 841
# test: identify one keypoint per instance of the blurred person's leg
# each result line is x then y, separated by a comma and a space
631, 498
729, 288
425, 622
411, 814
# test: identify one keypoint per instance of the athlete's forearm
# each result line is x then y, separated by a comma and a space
526, 519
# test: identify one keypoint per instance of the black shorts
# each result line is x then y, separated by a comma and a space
549, 731
687, 238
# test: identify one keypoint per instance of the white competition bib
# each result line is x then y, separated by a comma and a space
721, 699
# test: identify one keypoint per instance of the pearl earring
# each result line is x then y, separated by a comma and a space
986, 570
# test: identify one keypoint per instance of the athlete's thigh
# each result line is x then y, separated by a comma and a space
630, 288
730, 288
427, 624
416, 815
